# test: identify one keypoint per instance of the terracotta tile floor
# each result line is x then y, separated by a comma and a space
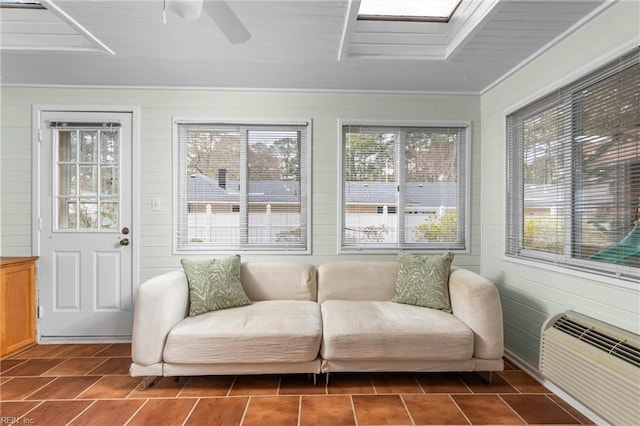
88, 385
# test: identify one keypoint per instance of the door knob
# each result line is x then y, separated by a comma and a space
124, 242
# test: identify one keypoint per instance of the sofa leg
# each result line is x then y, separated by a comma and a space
146, 386
326, 378
312, 377
486, 376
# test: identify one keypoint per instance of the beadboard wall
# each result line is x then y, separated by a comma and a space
530, 293
158, 106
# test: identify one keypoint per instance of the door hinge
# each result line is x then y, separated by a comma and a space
39, 312
40, 135
40, 223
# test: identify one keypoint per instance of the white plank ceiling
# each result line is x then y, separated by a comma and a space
295, 44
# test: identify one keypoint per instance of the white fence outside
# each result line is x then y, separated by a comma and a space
220, 228
267, 227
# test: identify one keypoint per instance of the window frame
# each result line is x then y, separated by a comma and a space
465, 187
565, 94
244, 248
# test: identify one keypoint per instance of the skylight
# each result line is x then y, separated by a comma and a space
21, 4
408, 10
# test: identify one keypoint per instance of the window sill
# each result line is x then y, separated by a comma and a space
574, 273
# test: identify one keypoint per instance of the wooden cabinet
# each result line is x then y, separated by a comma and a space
17, 303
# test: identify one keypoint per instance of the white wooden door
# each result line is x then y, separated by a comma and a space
85, 270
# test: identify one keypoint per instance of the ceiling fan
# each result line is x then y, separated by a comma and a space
220, 12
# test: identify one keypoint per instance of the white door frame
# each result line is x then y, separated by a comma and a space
36, 192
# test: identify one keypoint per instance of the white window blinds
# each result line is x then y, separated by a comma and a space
404, 188
242, 187
573, 186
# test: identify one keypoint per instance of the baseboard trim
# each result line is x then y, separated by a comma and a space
53, 340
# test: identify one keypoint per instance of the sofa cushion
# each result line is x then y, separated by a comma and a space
381, 331
265, 331
357, 280
279, 281
424, 280
214, 284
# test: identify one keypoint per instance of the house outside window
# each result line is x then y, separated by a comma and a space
242, 187
404, 187
573, 184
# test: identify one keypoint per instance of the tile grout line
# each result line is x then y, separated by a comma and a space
188, 380
415, 378
511, 408
509, 383
353, 410
564, 409
132, 390
38, 389
460, 379
83, 411
233, 382
413, 422
460, 409
146, 401
97, 366
29, 411
192, 410
373, 384
246, 408
11, 368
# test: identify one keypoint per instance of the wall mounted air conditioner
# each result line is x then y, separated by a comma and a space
595, 363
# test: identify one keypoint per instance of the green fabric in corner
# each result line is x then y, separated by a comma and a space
214, 284
424, 280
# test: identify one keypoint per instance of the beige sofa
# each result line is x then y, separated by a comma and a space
364, 331
303, 319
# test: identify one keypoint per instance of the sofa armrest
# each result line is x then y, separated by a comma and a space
162, 302
475, 301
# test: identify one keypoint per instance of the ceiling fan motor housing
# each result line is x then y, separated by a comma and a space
186, 9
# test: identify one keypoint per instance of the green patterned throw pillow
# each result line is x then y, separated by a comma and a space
214, 284
424, 280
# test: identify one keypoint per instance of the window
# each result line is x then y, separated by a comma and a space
408, 10
404, 188
87, 163
573, 184
242, 187
21, 4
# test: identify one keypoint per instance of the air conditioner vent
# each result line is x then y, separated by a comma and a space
609, 344
596, 363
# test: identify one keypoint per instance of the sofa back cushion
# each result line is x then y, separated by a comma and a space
357, 280
279, 281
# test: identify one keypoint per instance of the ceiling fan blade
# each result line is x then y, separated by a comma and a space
227, 21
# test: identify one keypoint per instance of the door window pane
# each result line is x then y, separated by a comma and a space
109, 147
109, 215
68, 146
88, 213
67, 179
88, 146
109, 180
67, 213
88, 181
